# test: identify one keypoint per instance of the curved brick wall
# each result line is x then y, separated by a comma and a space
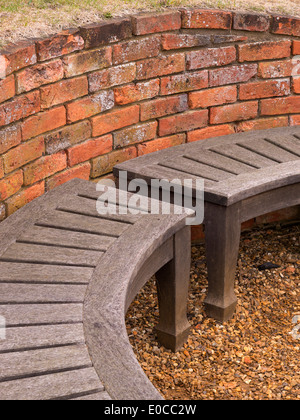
75, 104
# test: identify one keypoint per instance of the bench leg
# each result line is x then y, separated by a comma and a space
172, 287
222, 237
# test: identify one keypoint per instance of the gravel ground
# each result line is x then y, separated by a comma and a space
253, 356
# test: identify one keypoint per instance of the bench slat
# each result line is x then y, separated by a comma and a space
28, 363
57, 385
269, 150
48, 335
41, 293
80, 223
289, 143
79, 240
243, 155
41, 314
25, 272
51, 255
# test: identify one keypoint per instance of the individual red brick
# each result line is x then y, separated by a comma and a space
149, 23
209, 132
274, 69
43, 122
11, 184
1, 168
63, 43
236, 112
184, 82
295, 119
105, 164
160, 66
10, 137
44, 167
290, 105
285, 25
177, 41
263, 124
16, 57
232, 75
90, 105
63, 91
7, 88
115, 120
39, 75
197, 234
212, 97
160, 144
136, 134
22, 154
296, 47
207, 19
97, 34
136, 92
265, 89
113, 76
267, 50
20, 107
81, 171
86, 61
296, 84
24, 197
251, 22
89, 149
210, 57
137, 49
163, 106
183, 122
67, 136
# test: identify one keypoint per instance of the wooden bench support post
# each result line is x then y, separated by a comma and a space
222, 235
173, 281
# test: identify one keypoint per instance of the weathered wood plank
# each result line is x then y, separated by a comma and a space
31, 273
268, 150
41, 336
43, 254
47, 387
77, 240
288, 143
99, 396
40, 314
41, 293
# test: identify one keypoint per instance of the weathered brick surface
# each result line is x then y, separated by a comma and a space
149, 24
296, 47
113, 76
136, 92
64, 91
295, 119
80, 171
235, 112
115, 120
86, 61
43, 122
178, 41
222, 39
210, 57
17, 57
90, 105
285, 26
63, 43
208, 132
213, 97
97, 34
296, 84
10, 137
160, 144
160, 66
233, 74
136, 134
264, 50
24, 197
183, 122
89, 149
67, 136
44, 167
213, 19
137, 49
19, 107
184, 82
251, 22
263, 124
38, 75
163, 106
274, 69
7, 88
11, 184
265, 89
104, 164
22, 154
277, 106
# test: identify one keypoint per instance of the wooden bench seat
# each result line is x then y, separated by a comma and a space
67, 278
245, 175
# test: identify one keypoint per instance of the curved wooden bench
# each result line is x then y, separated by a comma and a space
245, 175
67, 277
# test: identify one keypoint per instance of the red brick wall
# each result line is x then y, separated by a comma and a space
75, 104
